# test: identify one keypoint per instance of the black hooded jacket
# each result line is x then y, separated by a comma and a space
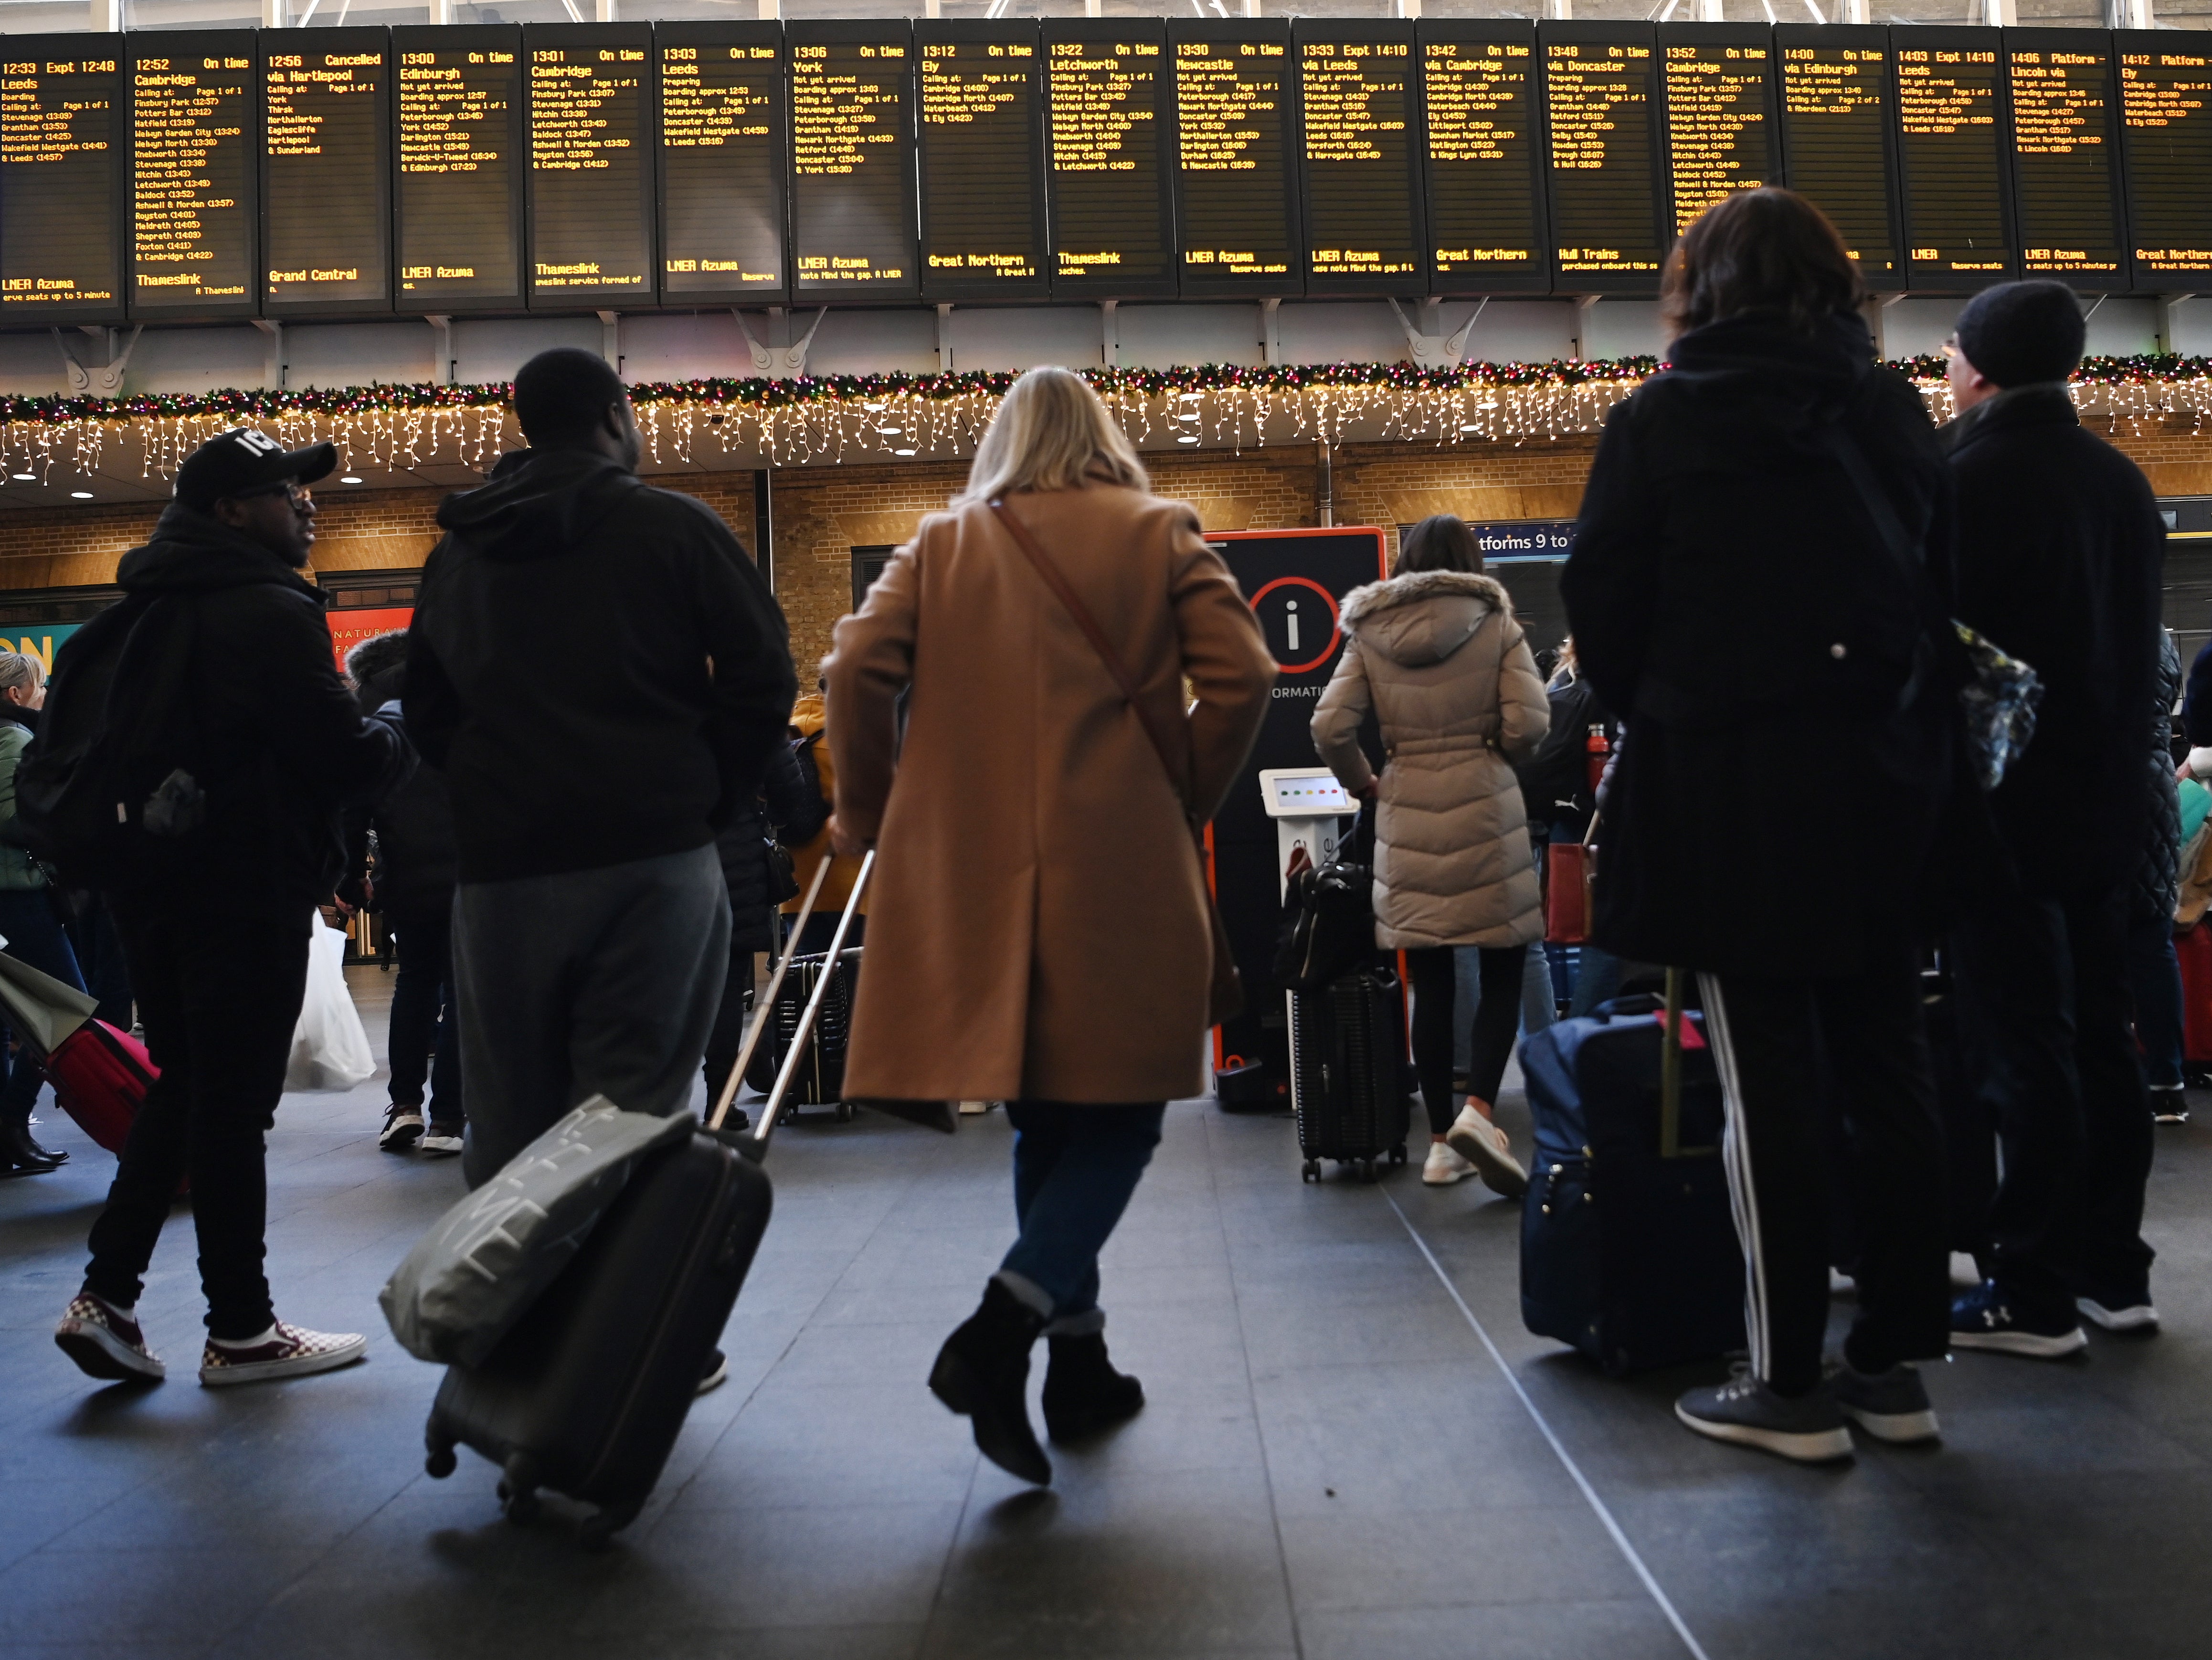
1781, 671
282, 748
597, 666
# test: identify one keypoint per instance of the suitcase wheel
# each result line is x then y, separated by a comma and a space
439, 1461
845, 1110
1311, 1171
602, 1525
1398, 1153
518, 1489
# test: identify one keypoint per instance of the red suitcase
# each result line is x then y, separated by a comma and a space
100, 1077
2194, 948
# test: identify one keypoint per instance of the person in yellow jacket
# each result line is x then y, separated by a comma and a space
808, 719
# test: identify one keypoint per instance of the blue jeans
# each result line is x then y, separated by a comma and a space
1074, 1170
2154, 983
34, 936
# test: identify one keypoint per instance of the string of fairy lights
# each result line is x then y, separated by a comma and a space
848, 418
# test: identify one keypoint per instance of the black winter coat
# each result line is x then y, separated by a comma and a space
2158, 877
2059, 550
596, 665
415, 861
792, 812
285, 750
1789, 728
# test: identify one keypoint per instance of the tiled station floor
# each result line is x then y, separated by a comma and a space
1352, 1449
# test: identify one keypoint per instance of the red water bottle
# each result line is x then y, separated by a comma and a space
1599, 752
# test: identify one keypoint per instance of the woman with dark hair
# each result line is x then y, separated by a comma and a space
1436, 653
1758, 586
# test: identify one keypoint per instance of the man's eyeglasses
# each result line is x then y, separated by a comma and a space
296, 491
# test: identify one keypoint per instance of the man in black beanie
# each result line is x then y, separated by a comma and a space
2059, 545
602, 674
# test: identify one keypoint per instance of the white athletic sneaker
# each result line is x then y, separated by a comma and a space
1445, 1166
439, 1143
1482, 1143
2128, 1316
402, 1127
283, 1350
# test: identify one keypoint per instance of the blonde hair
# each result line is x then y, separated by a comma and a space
1051, 433
21, 669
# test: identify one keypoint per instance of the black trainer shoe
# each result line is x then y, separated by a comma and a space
1084, 1395
716, 1374
2121, 1314
1985, 1318
2169, 1104
1809, 1428
1890, 1405
402, 1127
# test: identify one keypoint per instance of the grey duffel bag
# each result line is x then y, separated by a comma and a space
477, 1273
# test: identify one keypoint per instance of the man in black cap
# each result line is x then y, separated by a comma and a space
217, 937
2057, 562
602, 674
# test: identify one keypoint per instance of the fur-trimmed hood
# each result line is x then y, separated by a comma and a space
1423, 618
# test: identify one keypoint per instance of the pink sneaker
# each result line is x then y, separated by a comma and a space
105, 1343
283, 1350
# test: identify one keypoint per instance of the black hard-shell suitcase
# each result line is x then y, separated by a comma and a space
820, 1080
1347, 1077
586, 1395
1628, 1245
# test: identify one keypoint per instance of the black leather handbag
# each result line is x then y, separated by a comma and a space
1329, 916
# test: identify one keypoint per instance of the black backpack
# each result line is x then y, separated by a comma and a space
1555, 781
106, 791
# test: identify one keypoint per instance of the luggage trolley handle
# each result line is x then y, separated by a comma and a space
767, 1007
1670, 1077
755, 1145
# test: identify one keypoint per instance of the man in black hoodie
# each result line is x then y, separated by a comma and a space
2059, 546
219, 961
591, 925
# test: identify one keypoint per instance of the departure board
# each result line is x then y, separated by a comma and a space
591, 163
1952, 158
1602, 167
2066, 156
1484, 158
722, 161
1236, 199
852, 161
1110, 131
2166, 141
325, 192
1359, 111
194, 138
980, 93
1718, 82
62, 155
1839, 150
459, 179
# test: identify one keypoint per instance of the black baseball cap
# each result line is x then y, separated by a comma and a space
246, 459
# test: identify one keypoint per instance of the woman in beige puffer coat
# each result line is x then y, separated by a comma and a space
1436, 653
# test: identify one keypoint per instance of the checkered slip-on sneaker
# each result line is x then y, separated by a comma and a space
106, 1345
285, 1351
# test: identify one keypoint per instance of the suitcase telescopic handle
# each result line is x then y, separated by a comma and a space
767, 1009
755, 1146
1670, 1077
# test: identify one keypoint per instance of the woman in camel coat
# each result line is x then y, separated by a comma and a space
1436, 654
1038, 928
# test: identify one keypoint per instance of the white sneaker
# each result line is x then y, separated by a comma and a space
1476, 1139
1445, 1166
439, 1143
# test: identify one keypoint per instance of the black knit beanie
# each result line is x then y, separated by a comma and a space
2019, 333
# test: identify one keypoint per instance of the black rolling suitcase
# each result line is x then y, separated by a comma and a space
585, 1397
1628, 1245
1347, 1077
820, 1081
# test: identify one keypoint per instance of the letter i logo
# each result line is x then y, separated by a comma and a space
1290, 609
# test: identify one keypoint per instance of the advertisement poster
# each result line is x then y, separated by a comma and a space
350, 628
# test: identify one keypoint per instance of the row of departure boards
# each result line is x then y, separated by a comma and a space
582, 166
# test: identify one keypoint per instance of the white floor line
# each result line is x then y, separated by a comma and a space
1604, 1515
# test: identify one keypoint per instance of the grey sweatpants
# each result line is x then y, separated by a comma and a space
590, 983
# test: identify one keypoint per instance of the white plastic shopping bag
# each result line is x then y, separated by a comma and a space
329, 1046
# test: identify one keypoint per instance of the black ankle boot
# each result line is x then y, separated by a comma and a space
1084, 1395
21, 1156
983, 1373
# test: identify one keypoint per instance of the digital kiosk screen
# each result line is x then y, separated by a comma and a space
62, 151
194, 140
1958, 185
1603, 171
852, 161
2065, 146
2166, 111
983, 175
591, 163
1718, 80
459, 176
1236, 206
1836, 139
1484, 158
1108, 120
325, 191
1360, 105
721, 161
